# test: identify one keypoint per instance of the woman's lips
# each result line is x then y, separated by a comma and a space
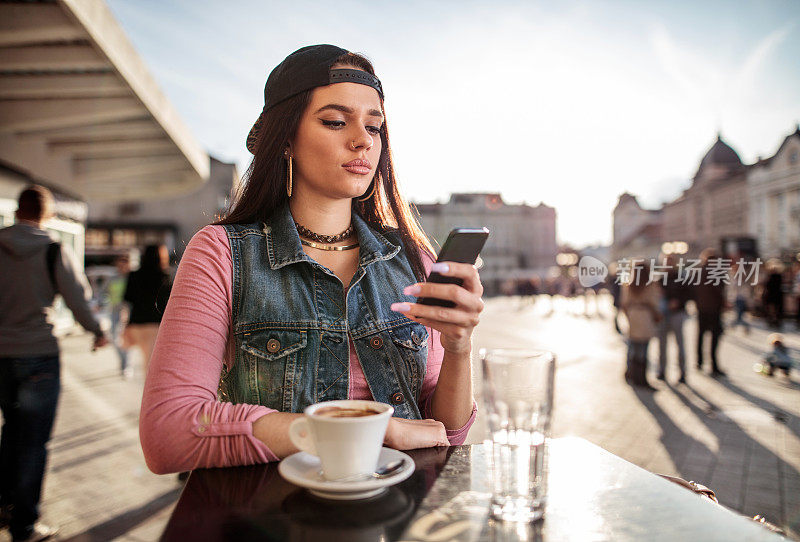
360, 170
358, 166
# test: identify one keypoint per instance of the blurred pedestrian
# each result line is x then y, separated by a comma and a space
590, 299
35, 268
742, 294
614, 289
709, 298
99, 301
147, 292
119, 313
550, 289
796, 291
675, 295
640, 303
534, 289
527, 289
779, 358
773, 294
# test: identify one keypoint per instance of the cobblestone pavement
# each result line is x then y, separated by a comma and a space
739, 435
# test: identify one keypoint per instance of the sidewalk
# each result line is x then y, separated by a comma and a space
739, 435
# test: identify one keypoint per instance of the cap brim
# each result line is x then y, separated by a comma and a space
252, 137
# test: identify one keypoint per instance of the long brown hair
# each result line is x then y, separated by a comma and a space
263, 189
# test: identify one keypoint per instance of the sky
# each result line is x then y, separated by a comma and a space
568, 103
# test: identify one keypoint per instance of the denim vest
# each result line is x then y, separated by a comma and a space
292, 320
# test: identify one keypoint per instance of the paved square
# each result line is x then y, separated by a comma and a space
739, 435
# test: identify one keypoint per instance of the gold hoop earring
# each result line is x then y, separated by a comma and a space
371, 192
289, 178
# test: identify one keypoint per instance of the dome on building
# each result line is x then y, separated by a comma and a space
721, 154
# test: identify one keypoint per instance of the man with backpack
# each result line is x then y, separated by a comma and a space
34, 269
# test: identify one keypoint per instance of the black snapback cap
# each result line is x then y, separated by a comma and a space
308, 67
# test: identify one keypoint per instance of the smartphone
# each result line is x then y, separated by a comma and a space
463, 245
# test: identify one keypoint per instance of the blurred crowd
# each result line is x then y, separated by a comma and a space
657, 296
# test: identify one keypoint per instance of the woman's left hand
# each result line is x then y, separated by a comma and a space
455, 324
402, 434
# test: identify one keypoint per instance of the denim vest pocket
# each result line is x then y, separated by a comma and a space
411, 342
274, 358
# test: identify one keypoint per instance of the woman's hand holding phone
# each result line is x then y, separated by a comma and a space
457, 323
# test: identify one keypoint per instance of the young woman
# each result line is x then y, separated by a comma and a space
147, 291
640, 302
305, 291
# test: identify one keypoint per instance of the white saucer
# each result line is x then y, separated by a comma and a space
302, 469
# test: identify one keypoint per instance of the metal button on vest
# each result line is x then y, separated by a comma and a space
416, 338
273, 345
376, 342
397, 398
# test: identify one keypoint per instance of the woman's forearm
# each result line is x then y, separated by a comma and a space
452, 399
273, 430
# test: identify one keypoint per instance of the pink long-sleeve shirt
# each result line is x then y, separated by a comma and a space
182, 424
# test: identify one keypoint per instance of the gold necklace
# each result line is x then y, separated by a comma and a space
328, 247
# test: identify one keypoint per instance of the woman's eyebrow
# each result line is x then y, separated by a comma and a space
349, 110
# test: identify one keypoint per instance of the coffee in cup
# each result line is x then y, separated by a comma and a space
345, 412
346, 435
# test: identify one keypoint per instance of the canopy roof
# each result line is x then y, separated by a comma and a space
79, 110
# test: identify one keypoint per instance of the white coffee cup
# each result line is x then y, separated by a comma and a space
346, 446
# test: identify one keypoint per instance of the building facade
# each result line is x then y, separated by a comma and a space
773, 186
741, 210
714, 207
522, 242
115, 228
637, 231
